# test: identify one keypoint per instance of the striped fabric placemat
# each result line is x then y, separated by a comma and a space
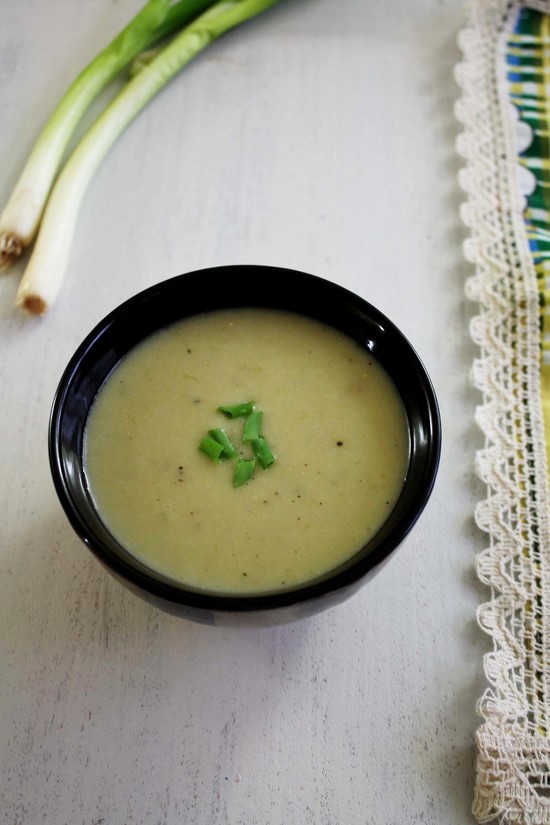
528, 59
505, 113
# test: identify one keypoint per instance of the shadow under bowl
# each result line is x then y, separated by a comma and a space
223, 288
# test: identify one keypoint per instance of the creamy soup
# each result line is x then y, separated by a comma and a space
331, 416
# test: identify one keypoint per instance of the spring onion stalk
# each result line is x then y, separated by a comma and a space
244, 470
222, 438
252, 426
46, 268
238, 410
20, 218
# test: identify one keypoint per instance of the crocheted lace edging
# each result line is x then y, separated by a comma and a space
513, 742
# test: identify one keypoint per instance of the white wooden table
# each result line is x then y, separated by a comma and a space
319, 137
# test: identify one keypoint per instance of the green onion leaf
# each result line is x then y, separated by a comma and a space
212, 448
263, 452
21, 216
222, 438
252, 426
243, 471
238, 410
46, 268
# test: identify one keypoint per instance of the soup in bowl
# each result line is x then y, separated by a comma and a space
244, 444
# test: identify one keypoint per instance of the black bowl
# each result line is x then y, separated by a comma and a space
219, 288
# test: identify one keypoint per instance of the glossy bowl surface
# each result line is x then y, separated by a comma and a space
220, 288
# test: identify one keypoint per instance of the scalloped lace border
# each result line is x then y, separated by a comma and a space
513, 741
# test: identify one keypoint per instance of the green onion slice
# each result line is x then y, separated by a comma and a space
263, 452
212, 448
243, 471
252, 426
222, 438
238, 410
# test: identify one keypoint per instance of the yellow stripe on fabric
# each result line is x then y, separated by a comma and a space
529, 88
528, 38
536, 163
537, 233
533, 213
528, 70
527, 51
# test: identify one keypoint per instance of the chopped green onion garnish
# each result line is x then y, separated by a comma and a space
263, 452
222, 438
238, 410
243, 471
212, 448
252, 426
218, 446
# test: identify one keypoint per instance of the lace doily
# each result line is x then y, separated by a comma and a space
513, 741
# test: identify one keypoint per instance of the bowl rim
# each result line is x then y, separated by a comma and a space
180, 594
